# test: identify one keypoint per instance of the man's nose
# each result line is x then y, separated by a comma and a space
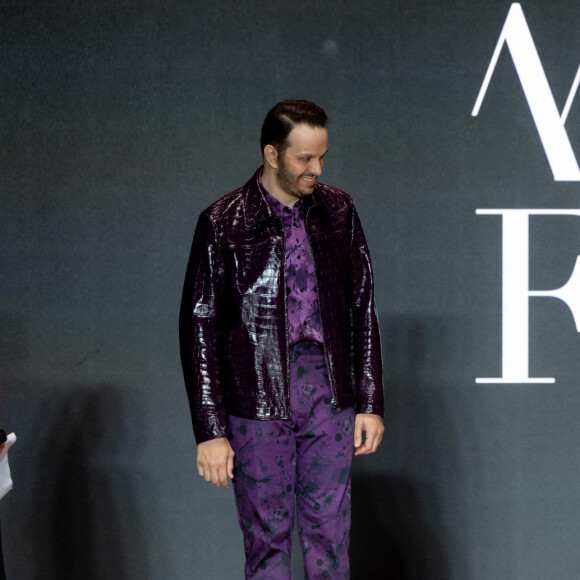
316, 167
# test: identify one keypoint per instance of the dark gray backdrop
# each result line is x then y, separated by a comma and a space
122, 120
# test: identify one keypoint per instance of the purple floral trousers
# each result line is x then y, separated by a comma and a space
302, 462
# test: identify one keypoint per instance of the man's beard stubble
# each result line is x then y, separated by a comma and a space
288, 182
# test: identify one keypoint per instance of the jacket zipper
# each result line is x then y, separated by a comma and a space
334, 400
287, 382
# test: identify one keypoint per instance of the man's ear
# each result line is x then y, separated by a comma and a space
271, 156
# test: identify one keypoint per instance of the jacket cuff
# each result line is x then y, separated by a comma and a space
205, 434
372, 406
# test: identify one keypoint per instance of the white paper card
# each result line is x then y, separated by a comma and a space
5, 477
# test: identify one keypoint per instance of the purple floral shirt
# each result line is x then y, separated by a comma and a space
302, 299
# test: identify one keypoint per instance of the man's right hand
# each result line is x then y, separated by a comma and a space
215, 461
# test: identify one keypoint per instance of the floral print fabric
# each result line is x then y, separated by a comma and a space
304, 321
305, 459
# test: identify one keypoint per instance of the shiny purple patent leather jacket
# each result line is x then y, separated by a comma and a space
233, 321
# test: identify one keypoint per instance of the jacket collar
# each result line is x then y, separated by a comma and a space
256, 207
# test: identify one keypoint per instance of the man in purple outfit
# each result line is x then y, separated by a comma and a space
281, 352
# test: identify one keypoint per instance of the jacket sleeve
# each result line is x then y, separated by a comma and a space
368, 366
200, 333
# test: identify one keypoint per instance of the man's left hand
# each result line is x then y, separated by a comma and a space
373, 427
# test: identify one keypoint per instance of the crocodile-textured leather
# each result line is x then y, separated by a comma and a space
233, 321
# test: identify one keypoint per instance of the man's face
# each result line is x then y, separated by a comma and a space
303, 160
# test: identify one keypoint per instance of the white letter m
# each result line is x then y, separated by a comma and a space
549, 123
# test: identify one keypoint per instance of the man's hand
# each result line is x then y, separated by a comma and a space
215, 461
373, 427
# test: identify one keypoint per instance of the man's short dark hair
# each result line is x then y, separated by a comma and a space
281, 119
